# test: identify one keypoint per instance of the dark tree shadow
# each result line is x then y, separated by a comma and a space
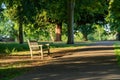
77, 68
102, 67
89, 48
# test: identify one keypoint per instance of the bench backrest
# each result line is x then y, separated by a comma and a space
33, 45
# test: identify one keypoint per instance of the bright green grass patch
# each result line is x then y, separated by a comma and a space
117, 52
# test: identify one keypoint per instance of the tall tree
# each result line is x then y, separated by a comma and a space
15, 12
56, 14
86, 13
20, 12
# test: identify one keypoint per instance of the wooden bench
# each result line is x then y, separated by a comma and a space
39, 48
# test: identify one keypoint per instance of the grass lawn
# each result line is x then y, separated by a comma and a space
117, 52
11, 66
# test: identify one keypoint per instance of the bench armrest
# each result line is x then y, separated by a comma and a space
47, 44
36, 45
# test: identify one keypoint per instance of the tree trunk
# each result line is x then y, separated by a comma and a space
20, 21
71, 4
58, 31
20, 33
85, 37
118, 36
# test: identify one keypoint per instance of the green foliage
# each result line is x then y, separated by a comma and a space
100, 33
78, 36
99, 30
16, 9
8, 51
90, 11
39, 17
22, 13
94, 37
113, 16
57, 10
86, 30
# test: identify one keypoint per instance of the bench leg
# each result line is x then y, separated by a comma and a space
31, 54
48, 52
41, 53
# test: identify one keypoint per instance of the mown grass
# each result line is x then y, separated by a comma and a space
9, 72
64, 45
8, 48
117, 52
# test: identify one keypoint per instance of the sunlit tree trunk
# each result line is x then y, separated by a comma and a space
58, 31
71, 4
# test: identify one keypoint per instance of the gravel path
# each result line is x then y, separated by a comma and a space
94, 62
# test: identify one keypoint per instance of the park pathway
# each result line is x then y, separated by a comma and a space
94, 62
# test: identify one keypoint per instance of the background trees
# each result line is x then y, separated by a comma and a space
113, 16
88, 13
57, 14
45, 18
15, 12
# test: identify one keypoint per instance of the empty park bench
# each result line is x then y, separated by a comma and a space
38, 48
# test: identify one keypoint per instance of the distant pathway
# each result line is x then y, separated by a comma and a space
94, 62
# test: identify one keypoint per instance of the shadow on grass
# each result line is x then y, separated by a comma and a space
64, 45
87, 49
76, 68
102, 67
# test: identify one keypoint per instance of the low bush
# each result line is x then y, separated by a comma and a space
8, 48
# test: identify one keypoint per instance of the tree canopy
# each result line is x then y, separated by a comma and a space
35, 16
